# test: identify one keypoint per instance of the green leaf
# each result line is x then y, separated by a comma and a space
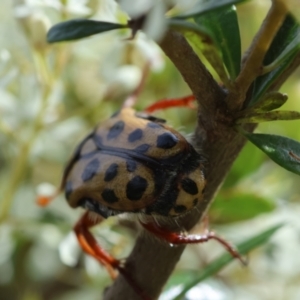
224, 30
201, 41
285, 46
187, 26
280, 115
290, 51
238, 206
206, 49
205, 6
269, 102
226, 258
248, 161
284, 151
79, 28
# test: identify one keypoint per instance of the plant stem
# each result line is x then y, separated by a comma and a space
252, 66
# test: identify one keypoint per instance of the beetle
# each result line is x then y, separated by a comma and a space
134, 162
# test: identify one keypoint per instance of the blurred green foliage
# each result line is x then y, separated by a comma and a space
52, 95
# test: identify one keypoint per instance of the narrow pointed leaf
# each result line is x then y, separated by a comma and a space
226, 258
224, 30
288, 34
270, 116
284, 151
271, 101
201, 41
204, 6
203, 45
79, 28
290, 50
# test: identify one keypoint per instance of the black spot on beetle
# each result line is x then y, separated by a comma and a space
111, 172
166, 140
90, 170
131, 165
142, 148
135, 135
180, 209
115, 130
109, 196
136, 187
189, 186
68, 189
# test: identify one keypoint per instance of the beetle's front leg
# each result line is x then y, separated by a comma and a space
187, 101
177, 238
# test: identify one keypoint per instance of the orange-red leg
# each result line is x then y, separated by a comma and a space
44, 200
89, 245
167, 103
182, 239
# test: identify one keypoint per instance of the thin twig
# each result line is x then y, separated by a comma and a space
252, 66
132, 98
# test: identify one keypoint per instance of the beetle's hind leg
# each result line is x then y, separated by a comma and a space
177, 238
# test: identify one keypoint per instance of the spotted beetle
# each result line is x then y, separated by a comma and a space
134, 162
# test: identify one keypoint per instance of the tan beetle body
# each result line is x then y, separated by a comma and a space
133, 162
